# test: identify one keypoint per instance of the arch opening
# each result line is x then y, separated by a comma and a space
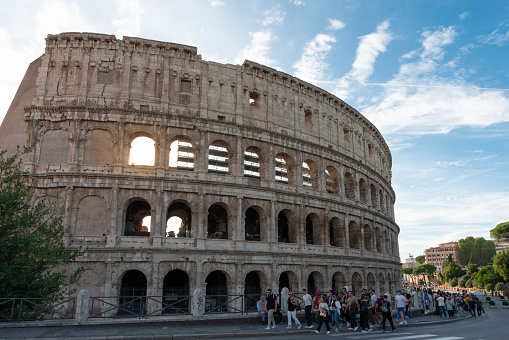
216, 289
217, 222
252, 290
137, 220
252, 225
282, 228
354, 235
178, 220
142, 152
218, 158
176, 292
133, 293
181, 155
349, 186
331, 180
252, 162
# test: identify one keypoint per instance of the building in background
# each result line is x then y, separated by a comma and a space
438, 255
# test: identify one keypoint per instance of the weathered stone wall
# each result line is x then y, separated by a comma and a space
95, 94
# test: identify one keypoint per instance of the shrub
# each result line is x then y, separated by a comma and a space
505, 303
492, 303
488, 298
454, 282
468, 284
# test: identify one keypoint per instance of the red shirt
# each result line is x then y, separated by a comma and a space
379, 304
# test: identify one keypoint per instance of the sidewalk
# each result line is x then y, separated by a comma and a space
209, 327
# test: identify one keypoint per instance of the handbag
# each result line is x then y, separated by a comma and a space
323, 313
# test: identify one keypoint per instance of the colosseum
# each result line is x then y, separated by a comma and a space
181, 174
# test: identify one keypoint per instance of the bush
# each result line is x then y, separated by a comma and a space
505, 303
463, 280
454, 282
489, 287
488, 298
492, 303
502, 297
499, 286
468, 284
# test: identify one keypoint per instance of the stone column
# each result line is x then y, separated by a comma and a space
272, 237
198, 301
239, 232
111, 239
82, 307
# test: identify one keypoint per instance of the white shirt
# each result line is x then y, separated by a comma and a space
400, 301
373, 300
308, 301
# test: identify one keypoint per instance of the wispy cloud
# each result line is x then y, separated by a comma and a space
369, 49
496, 38
464, 15
127, 19
258, 49
427, 108
216, 3
335, 24
311, 66
297, 2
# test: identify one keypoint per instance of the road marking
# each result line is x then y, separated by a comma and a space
375, 335
406, 337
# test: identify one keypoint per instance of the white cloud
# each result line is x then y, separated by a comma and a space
464, 15
496, 38
259, 48
57, 16
297, 2
369, 49
335, 24
311, 66
216, 3
274, 16
127, 21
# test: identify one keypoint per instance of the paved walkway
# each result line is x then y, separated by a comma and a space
209, 327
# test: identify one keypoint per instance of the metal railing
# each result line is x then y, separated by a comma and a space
26, 309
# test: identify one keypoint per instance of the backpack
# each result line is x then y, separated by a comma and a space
385, 307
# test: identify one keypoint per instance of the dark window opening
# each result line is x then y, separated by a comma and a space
252, 225
217, 222
136, 215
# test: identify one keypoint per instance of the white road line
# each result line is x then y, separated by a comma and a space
375, 335
406, 337
450, 338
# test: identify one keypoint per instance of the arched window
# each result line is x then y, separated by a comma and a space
355, 235
218, 158
181, 154
363, 189
252, 162
217, 222
281, 170
309, 174
374, 196
349, 186
143, 151
137, 221
252, 225
368, 238
331, 180
178, 220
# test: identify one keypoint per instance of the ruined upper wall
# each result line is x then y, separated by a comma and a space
86, 69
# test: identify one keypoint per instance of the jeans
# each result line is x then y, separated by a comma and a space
335, 318
472, 312
409, 310
441, 310
262, 314
364, 321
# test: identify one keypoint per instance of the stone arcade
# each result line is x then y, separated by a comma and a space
277, 183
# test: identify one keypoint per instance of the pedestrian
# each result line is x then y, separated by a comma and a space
292, 311
480, 307
400, 305
471, 307
449, 305
425, 299
408, 311
378, 311
353, 307
272, 308
307, 304
387, 313
322, 310
372, 314
262, 308
334, 308
441, 305
365, 306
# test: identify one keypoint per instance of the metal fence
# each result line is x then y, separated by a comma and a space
19, 309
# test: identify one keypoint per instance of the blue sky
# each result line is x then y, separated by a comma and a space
433, 76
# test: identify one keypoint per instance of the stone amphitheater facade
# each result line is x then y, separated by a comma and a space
277, 182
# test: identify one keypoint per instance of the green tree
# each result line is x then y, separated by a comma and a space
420, 259
499, 286
454, 282
425, 269
500, 232
485, 276
472, 268
33, 254
463, 280
501, 264
489, 287
451, 270
469, 283
476, 250
409, 271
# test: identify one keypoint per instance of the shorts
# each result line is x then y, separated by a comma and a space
379, 314
401, 309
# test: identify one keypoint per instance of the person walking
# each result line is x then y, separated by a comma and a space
449, 305
307, 305
387, 313
292, 311
262, 308
323, 310
334, 308
365, 306
480, 307
271, 307
353, 307
400, 305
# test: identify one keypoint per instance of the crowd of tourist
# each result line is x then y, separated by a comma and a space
344, 308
